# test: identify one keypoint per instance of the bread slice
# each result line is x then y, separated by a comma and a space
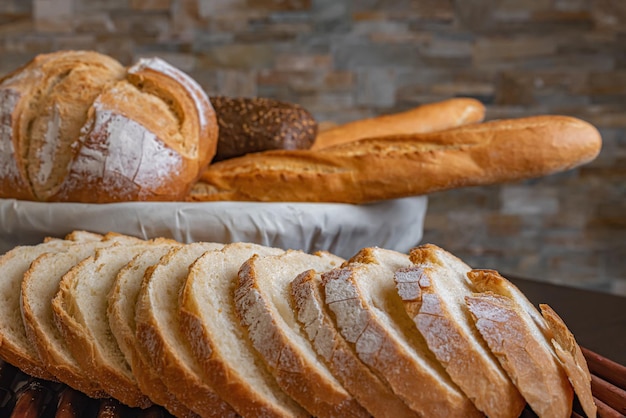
14, 345
122, 301
572, 359
262, 303
80, 311
370, 315
516, 333
158, 332
433, 292
315, 319
210, 323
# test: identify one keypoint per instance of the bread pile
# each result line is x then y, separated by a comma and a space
77, 126
207, 329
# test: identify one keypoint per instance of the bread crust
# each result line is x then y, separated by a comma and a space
78, 126
518, 341
399, 166
428, 117
272, 335
432, 292
357, 378
400, 357
230, 380
162, 342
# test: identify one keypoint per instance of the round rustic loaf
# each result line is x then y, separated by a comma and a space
78, 126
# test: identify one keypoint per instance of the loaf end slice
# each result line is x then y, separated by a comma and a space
262, 303
371, 317
210, 323
500, 312
433, 292
317, 322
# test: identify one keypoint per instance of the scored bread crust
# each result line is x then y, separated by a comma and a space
80, 311
572, 359
314, 317
502, 315
158, 331
429, 117
405, 165
262, 303
122, 301
433, 292
41, 110
370, 316
14, 345
209, 321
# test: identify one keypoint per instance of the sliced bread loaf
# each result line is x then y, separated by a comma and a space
263, 304
80, 311
370, 315
122, 301
315, 319
158, 333
209, 321
14, 345
433, 292
514, 331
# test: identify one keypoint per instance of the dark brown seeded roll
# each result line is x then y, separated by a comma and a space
249, 125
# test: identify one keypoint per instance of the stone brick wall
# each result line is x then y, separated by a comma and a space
346, 60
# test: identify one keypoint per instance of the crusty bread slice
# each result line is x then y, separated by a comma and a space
157, 329
517, 334
121, 314
370, 315
14, 345
210, 323
263, 304
433, 293
80, 312
315, 319
572, 359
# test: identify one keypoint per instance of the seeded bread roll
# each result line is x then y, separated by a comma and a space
249, 125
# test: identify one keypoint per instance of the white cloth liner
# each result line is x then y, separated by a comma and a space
342, 229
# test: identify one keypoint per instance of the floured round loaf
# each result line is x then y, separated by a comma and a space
78, 126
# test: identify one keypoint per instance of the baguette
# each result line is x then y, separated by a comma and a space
398, 166
433, 292
519, 337
425, 118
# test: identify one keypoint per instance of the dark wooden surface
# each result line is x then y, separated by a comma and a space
597, 319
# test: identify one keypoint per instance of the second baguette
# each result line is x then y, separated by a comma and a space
399, 166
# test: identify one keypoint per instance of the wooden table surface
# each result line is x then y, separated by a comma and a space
597, 319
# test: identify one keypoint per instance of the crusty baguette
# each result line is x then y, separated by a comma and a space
316, 320
157, 329
121, 314
399, 166
425, 118
520, 341
433, 292
262, 303
209, 321
569, 353
370, 316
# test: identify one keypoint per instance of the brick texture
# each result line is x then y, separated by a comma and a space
347, 60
